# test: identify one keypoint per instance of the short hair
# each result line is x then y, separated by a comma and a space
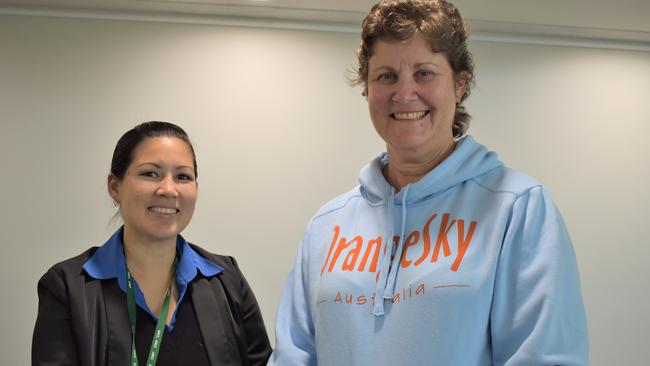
441, 25
126, 145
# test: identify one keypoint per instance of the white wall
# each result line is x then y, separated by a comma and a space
278, 132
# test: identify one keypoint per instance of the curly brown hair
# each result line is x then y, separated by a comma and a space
439, 22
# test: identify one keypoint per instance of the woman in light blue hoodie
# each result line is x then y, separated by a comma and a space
442, 255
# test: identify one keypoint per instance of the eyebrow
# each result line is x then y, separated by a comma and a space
158, 166
426, 63
417, 65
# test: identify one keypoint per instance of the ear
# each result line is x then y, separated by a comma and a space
113, 185
461, 85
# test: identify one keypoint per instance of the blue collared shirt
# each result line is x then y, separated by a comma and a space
109, 262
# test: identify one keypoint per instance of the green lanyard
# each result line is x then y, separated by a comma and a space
160, 325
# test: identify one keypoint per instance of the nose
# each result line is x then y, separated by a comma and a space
167, 187
405, 90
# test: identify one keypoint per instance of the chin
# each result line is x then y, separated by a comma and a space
410, 143
165, 234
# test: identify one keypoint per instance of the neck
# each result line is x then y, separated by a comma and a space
406, 168
148, 258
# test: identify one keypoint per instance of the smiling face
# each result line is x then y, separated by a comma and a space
412, 96
158, 191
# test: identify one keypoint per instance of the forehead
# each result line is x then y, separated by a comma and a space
413, 50
163, 148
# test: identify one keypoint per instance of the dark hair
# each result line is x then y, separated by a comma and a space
439, 22
123, 153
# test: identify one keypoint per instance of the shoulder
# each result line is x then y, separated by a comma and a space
508, 181
66, 277
228, 263
532, 208
230, 279
338, 203
72, 266
527, 195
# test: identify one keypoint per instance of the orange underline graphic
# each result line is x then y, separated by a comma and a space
445, 286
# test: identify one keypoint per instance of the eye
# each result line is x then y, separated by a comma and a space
185, 177
387, 77
424, 74
149, 174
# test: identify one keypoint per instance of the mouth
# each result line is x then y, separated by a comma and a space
163, 210
409, 116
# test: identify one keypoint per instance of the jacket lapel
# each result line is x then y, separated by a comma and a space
117, 320
212, 313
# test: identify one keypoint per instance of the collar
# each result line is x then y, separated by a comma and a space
109, 262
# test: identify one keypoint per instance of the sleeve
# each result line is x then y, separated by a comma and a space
258, 347
294, 327
53, 341
537, 316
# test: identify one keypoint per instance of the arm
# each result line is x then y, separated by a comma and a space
294, 327
537, 314
53, 340
258, 347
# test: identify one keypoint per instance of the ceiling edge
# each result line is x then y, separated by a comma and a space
488, 31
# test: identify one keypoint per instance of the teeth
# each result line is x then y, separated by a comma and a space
409, 115
163, 210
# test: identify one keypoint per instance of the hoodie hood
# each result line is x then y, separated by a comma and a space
468, 160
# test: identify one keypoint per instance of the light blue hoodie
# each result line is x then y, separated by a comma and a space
481, 271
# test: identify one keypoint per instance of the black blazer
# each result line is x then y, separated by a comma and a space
83, 321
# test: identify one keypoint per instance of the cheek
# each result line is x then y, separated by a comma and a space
131, 194
379, 92
137, 195
442, 97
190, 196
376, 103
376, 115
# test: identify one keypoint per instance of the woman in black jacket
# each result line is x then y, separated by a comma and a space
147, 296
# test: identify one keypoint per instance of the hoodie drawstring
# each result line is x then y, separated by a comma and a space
385, 288
384, 265
389, 292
